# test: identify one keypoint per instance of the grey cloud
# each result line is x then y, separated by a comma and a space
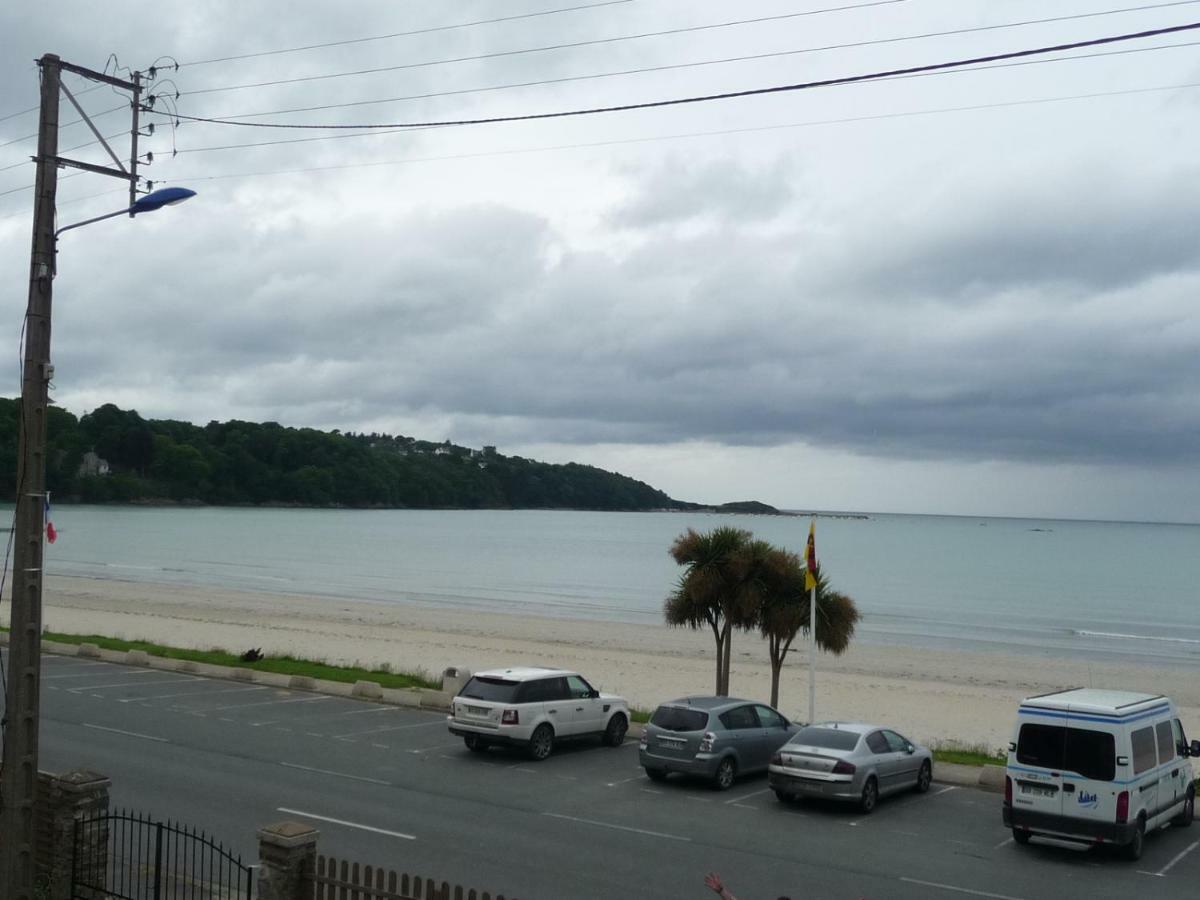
677, 191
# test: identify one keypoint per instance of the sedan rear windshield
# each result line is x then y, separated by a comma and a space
1091, 754
828, 738
674, 718
495, 689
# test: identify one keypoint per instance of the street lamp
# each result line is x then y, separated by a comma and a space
19, 765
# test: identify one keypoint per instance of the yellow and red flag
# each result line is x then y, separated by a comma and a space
810, 558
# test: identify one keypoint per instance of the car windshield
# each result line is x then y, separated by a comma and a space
497, 689
828, 738
675, 718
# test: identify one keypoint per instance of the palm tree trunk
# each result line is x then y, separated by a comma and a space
719, 639
776, 665
723, 690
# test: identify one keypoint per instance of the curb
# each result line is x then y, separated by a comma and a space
985, 778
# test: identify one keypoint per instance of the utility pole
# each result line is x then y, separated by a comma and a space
18, 779
19, 769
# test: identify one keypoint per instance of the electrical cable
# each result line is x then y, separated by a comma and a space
30, 187
567, 46
726, 95
91, 143
667, 137
675, 66
398, 34
94, 116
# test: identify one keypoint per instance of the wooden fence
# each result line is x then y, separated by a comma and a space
341, 880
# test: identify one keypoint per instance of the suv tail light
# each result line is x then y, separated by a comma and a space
841, 767
510, 717
706, 742
1007, 791
1123, 806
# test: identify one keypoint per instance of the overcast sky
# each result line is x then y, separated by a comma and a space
860, 297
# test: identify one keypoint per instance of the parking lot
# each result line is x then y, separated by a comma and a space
389, 786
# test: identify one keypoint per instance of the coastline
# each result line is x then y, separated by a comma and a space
931, 695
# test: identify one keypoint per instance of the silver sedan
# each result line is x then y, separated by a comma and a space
849, 761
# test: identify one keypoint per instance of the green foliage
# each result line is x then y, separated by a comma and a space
967, 754
249, 463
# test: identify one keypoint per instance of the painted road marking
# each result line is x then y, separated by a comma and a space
191, 694
423, 749
661, 834
288, 765
746, 797
308, 815
266, 703
946, 790
960, 890
87, 674
1004, 843
1165, 869
625, 780
388, 728
145, 737
100, 687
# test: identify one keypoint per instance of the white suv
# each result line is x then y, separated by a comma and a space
533, 707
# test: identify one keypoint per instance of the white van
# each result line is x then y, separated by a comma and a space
1098, 767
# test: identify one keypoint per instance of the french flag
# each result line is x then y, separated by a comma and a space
51, 531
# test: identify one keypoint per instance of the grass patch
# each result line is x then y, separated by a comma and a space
284, 665
637, 714
967, 754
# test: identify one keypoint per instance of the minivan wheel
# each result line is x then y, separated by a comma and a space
475, 743
723, 777
542, 742
1133, 850
870, 795
924, 777
1188, 813
614, 734
656, 774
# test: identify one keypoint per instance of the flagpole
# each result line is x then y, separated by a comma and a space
812, 655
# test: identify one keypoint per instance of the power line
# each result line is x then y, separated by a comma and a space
668, 137
67, 125
709, 62
567, 46
91, 143
705, 98
398, 34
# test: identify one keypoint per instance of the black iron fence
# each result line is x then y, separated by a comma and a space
130, 856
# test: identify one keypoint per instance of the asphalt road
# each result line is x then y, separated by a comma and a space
390, 787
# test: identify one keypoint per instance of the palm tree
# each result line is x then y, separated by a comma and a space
784, 611
714, 589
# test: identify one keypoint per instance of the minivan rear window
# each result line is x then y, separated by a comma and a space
1091, 754
674, 718
498, 690
828, 738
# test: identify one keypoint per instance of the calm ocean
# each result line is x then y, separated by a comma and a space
1095, 589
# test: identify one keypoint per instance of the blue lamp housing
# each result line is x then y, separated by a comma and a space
160, 198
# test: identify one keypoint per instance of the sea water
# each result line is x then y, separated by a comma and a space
1111, 590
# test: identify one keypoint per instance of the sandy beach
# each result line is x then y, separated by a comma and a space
930, 695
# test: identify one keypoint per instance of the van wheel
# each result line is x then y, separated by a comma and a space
723, 777
870, 795
1133, 850
1184, 819
475, 743
542, 742
614, 734
924, 777
1021, 836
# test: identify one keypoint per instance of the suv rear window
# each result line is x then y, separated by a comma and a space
498, 690
1091, 754
675, 718
829, 738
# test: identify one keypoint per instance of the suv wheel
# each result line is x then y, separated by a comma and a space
725, 774
614, 734
542, 742
475, 743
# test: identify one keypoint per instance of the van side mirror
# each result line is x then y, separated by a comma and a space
1195, 748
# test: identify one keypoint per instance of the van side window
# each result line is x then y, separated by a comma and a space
1166, 746
1181, 742
1091, 754
1144, 755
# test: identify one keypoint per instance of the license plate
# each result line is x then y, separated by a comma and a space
477, 710
673, 743
1038, 790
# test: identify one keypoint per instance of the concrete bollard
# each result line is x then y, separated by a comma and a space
302, 683
137, 658
454, 679
367, 690
89, 650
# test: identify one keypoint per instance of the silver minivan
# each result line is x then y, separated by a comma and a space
716, 738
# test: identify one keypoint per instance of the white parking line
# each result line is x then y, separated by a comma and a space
267, 703
145, 737
946, 790
747, 796
960, 890
423, 749
388, 728
288, 765
625, 780
308, 815
661, 834
1004, 843
100, 687
192, 694
75, 674
1165, 869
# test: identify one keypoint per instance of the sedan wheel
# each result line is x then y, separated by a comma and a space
870, 795
723, 777
542, 742
924, 777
